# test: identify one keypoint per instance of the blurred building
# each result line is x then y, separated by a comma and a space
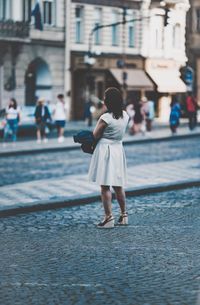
31, 60
141, 57
165, 51
192, 72
140, 50
111, 56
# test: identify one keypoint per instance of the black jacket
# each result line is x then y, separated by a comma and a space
86, 138
38, 114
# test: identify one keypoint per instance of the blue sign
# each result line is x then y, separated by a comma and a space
189, 75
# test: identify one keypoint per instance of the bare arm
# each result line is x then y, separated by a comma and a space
99, 129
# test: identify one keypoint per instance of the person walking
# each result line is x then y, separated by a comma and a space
174, 115
108, 163
60, 117
149, 114
131, 112
42, 116
191, 107
12, 120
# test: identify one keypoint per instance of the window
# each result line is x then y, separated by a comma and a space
198, 20
131, 37
27, 8
177, 36
79, 24
115, 29
98, 21
131, 28
48, 12
158, 38
5, 9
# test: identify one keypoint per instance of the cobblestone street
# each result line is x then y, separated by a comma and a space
20, 169
59, 257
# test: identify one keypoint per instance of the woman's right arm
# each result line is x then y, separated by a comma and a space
99, 129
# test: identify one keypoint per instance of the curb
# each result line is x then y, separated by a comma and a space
86, 199
77, 147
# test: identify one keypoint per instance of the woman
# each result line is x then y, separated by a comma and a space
60, 117
42, 115
108, 163
12, 120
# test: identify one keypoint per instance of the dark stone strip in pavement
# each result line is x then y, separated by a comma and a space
86, 199
76, 147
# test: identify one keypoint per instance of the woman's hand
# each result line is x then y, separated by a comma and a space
99, 129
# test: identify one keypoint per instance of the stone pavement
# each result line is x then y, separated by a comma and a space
75, 189
159, 132
59, 257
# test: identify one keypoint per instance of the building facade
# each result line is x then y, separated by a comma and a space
141, 56
32, 61
87, 45
165, 51
193, 47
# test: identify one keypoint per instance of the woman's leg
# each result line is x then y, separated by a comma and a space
106, 197
14, 134
38, 134
121, 198
61, 132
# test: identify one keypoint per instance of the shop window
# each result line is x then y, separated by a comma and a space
48, 12
79, 24
198, 20
115, 29
27, 8
98, 21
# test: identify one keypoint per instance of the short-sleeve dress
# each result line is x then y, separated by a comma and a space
108, 163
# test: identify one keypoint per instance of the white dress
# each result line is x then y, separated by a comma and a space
108, 163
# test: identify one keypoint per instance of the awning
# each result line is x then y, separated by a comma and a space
136, 79
167, 80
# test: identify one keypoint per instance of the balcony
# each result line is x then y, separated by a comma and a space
13, 30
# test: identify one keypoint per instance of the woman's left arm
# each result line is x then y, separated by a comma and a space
99, 129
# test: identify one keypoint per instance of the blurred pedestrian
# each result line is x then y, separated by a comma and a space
42, 117
139, 117
88, 112
174, 115
108, 163
12, 120
191, 106
131, 112
149, 113
60, 114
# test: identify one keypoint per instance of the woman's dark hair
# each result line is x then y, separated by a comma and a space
14, 103
114, 102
